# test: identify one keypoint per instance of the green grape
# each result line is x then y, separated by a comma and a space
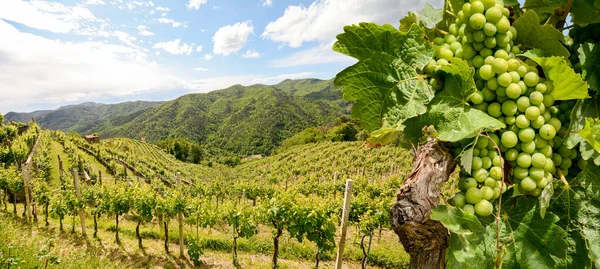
549, 167
536, 173
509, 108
492, 84
504, 79
496, 173
510, 120
514, 76
486, 162
503, 25
538, 123
524, 160
455, 46
509, 139
495, 110
542, 183
573, 154
496, 193
513, 91
566, 164
473, 195
482, 142
531, 79
466, 9
503, 41
546, 115
486, 72
556, 158
547, 150
445, 54
536, 98
513, 31
520, 172
476, 163
477, 21
489, 29
541, 87
490, 42
492, 15
477, 7
548, 100
488, 95
540, 142
538, 160
547, 131
478, 45
469, 183
459, 200
497, 161
501, 54
438, 41
532, 113
488, 3
536, 192
482, 106
487, 193
499, 65
478, 61
487, 53
528, 147
480, 174
476, 97
484, 208
526, 135
513, 64
469, 209
522, 70
449, 39
582, 163
490, 182
522, 121
453, 29
442, 62
528, 184
511, 154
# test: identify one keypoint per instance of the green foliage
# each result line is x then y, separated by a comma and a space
545, 37
385, 82
195, 251
568, 85
343, 129
589, 56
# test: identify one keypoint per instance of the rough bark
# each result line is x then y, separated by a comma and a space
46, 213
95, 224
117, 229
166, 226
276, 248
424, 239
137, 234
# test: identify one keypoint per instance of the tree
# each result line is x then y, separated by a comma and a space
279, 213
143, 206
243, 224
120, 201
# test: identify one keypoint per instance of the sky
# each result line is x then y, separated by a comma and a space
55, 53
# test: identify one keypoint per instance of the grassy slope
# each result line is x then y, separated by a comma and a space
320, 159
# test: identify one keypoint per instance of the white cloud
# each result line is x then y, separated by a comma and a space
232, 38
195, 4
93, 2
174, 48
44, 15
135, 4
41, 70
251, 54
125, 38
267, 3
203, 30
163, 9
173, 23
157, 53
318, 55
200, 69
143, 30
207, 57
199, 48
324, 19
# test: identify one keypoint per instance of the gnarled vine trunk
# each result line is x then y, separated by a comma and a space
424, 239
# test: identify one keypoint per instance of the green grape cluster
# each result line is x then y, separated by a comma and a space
512, 91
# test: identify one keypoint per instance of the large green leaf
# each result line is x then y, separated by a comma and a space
585, 12
543, 8
457, 220
545, 37
588, 108
431, 16
449, 111
591, 133
568, 85
589, 57
385, 83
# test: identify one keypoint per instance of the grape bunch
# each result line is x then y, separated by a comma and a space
512, 91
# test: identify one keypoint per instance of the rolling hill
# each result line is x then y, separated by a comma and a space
239, 119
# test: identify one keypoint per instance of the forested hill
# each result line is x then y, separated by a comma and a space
241, 120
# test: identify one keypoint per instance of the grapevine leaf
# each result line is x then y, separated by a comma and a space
543, 8
589, 57
545, 197
457, 221
585, 12
385, 83
537, 241
409, 20
511, 2
431, 16
568, 85
452, 117
588, 108
383, 136
466, 159
591, 132
545, 37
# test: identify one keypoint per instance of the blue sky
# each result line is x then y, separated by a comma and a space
54, 53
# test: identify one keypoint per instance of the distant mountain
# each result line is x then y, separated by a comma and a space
240, 120
83, 118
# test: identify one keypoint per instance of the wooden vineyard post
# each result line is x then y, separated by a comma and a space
100, 177
344, 226
60, 167
335, 176
180, 218
78, 194
26, 175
